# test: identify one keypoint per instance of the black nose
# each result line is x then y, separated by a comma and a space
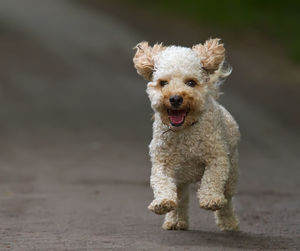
176, 101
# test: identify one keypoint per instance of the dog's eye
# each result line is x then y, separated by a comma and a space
191, 83
163, 83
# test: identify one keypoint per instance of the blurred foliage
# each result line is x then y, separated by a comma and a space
279, 18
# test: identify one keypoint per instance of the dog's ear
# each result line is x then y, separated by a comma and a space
144, 58
212, 54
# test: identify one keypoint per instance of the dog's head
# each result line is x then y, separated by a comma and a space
180, 78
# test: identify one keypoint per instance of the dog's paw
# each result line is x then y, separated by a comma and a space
175, 225
162, 207
212, 202
227, 222
229, 227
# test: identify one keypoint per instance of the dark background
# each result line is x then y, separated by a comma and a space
75, 123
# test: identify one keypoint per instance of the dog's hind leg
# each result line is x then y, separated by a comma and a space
225, 217
178, 218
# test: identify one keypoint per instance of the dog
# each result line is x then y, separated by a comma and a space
195, 139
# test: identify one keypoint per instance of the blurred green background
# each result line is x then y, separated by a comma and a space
280, 19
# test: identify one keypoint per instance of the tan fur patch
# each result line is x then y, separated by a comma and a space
212, 52
144, 58
192, 101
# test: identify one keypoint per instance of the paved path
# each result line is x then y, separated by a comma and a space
75, 124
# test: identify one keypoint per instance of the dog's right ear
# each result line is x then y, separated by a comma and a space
144, 58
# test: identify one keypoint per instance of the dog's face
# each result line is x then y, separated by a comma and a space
179, 79
177, 90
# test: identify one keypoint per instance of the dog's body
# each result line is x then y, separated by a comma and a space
194, 138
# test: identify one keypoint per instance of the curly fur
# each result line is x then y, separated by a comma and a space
144, 58
203, 149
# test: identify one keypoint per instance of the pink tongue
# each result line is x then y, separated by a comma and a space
177, 117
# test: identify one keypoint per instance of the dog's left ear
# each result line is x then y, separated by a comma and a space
212, 54
144, 58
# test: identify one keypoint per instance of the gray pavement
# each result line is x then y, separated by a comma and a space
75, 125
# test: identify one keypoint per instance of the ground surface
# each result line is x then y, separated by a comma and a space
75, 125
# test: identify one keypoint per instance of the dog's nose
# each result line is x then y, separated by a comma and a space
176, 100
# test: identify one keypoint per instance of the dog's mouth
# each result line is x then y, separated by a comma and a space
177, 117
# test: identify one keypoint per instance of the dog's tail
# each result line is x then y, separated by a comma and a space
218, 77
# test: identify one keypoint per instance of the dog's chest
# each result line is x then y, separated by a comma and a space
180, 156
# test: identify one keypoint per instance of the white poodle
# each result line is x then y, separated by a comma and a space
195, 139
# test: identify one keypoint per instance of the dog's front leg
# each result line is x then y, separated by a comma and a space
164, 189
211, 189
